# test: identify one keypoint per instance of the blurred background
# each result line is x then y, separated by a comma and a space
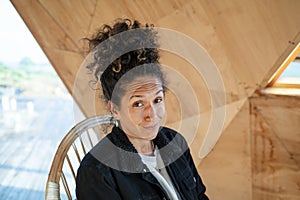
36, 110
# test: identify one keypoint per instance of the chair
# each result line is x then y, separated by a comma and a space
78, 141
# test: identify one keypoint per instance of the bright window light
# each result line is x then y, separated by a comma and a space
286, 80
290, 76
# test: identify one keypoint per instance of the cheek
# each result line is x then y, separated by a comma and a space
136, 115
161, 111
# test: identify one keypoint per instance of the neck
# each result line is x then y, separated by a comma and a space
144, 147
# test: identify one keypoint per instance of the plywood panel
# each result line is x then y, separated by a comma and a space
282, 115
254, 34
191, 20
275, 147
74, 25
226, 171
142, 10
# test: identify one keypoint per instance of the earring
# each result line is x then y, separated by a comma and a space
117, 69
117, 123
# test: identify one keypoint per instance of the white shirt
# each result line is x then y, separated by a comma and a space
156, 167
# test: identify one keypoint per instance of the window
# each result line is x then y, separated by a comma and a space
290, 77
286, 80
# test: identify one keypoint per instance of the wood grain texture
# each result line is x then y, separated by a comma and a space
254, 34
226, 171
275, 147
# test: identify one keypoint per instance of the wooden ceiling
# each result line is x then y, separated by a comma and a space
246, 40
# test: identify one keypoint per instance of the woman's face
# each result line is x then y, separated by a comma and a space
142, 108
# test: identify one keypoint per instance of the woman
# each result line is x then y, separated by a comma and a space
139, 159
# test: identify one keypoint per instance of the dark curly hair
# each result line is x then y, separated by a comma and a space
118, 49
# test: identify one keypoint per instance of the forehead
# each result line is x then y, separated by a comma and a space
144, 85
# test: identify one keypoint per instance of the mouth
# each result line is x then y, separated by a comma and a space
151, 127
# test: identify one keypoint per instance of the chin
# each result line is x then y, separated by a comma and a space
151, 134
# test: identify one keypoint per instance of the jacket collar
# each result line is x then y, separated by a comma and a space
169, 145
117, 152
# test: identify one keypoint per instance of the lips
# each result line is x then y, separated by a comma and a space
150, 127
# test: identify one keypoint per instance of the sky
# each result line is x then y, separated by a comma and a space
16, 41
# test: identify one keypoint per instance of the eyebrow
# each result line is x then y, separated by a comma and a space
139, 96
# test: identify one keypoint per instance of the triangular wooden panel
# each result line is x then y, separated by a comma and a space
275, 172
282, 116
227, 169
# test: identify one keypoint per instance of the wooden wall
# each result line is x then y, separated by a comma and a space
275, 147
244, 38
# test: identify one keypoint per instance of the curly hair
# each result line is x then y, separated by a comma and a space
114, 54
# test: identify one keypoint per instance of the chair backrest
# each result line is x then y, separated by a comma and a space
78, 141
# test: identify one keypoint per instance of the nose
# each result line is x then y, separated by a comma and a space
149, 112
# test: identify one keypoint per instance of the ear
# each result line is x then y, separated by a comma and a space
114, 110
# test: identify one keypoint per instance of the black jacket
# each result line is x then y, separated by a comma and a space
113, 170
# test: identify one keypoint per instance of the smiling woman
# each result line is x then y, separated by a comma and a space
139, 159
141, 112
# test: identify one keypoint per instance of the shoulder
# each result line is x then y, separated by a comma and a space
168, 131
101, 150
91, 173
93, 170
170, 134
89, 160
91, 164
167, 135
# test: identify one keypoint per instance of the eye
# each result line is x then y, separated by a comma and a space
158, 100
137, 104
